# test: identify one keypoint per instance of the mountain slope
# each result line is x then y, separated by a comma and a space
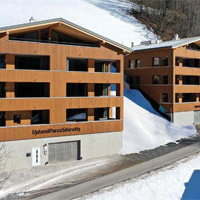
107, 18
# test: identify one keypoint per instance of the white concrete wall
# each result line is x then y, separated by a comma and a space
92, 145
184, 118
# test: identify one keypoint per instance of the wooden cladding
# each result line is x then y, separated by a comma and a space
175, 71
56, 130
57, 76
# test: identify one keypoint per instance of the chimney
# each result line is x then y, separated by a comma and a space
31, 20
132, 44
157, 41
176, 37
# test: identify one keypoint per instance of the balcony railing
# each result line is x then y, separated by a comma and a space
54, 42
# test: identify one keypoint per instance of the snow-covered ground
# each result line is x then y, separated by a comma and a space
106, 17
144, 128
178, 181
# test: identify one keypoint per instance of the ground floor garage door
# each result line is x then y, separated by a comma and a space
64, 151
197, 117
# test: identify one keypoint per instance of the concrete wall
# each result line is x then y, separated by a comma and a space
184, 118
92, 145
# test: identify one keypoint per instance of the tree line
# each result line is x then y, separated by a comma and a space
168, 17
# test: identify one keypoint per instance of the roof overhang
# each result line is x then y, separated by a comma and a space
9, 29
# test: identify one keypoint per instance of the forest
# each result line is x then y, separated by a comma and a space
168, 17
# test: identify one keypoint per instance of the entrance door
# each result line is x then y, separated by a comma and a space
36, 156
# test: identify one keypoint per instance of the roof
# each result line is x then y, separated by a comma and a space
68, 23
173, 44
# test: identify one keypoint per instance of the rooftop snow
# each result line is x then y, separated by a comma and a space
168, 44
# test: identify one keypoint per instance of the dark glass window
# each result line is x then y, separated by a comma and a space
29, 36
137, 80
177, 61
17, 119
77, 65
165, 61
76, 115
32, 62
2, 90
101, 66
137, 63
101, 114
101, 89
2, 119
164, 79
40, 117
188, 97
131, 80
2, 61
77, 90
165, 97
31, 89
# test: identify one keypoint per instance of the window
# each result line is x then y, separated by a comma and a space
131, 64
165, 61
77, 90
156, 62
76, 115
177, 61
137, 80
131, 80
165, 97
188, 97
164, 79
32, 62
2, 119
137, 63
77, 65
101, 66
2, 61
155, 79
32, 90
101, 114
17, 119
40, 117
2, 90
101, 89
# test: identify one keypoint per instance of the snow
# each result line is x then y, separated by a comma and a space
177, 181
108, 18
144, 128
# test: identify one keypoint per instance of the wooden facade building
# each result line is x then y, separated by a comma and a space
55, 83
169, 73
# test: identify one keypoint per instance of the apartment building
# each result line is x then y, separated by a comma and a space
55, 104
169, 73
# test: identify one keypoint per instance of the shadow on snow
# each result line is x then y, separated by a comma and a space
192, 188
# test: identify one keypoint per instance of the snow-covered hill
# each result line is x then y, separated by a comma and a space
143, 128
106, 17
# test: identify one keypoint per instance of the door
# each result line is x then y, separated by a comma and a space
197, 117
36, 156
63, 151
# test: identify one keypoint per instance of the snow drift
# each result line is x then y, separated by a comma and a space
144, 128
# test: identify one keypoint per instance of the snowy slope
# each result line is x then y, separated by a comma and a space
178, 181
106, 17
144, 128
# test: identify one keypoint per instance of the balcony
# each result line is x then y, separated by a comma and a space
51, 36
